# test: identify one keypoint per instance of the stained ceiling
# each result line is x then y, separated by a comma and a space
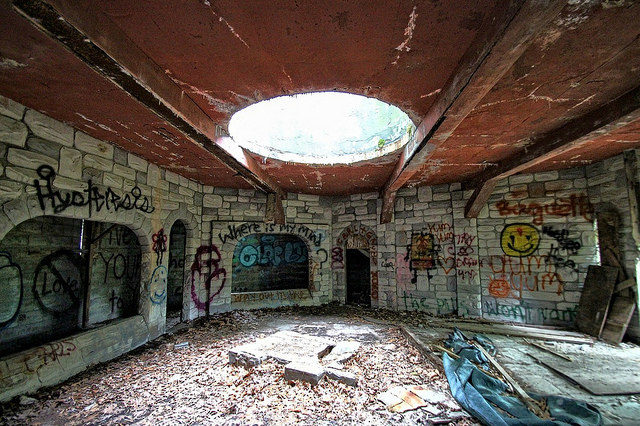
484, 80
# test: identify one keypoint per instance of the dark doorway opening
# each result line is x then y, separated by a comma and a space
175, 278
358, 277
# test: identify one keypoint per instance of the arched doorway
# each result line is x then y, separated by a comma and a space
175, 276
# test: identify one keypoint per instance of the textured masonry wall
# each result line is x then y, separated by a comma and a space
85, 178
44, 309
114, 284
429, 258
524, 259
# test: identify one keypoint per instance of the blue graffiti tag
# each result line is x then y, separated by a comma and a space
272, 252
158, 285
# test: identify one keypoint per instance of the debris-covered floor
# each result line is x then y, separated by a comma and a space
172, 382
186, 378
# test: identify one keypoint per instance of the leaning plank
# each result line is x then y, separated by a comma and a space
618, 320
595, 298
525, 328
631, 282
531, 403
507, 330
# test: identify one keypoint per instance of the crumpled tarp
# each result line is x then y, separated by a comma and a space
486, 399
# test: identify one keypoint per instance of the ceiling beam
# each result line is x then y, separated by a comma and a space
98, 42
491, 54
612, 116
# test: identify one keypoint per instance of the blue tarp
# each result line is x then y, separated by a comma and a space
486, 398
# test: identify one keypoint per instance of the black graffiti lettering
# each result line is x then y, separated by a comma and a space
94, 199
9, 273
69, 287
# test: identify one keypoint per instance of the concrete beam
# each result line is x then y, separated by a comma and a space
613, 115
98, 42
492, 53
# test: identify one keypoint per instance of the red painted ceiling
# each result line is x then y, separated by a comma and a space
226, 55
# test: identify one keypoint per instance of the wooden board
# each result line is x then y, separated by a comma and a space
604, 374
618, 320
595, 298
518, 331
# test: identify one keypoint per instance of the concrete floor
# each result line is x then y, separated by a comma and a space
165, 384
513, 355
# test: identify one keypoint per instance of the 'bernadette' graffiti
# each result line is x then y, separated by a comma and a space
92, 196
263, 262
574, 205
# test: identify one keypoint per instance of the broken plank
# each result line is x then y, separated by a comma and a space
620, 313
548, 349
631, 282
531, 403
595, 298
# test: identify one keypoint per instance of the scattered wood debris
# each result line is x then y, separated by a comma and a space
158, 384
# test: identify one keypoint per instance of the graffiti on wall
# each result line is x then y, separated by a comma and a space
359, 236
320, 253
159, 247
57, 282
158, 285
263, 262
519, 240
559, 254
374, 285
44, 355
573, 206
272, 250
423, 254
523, 274
205, 271
270, 296
92, 196
337, 258
11, 288
522, 270
235, 232
403, 272
441, 305
121, 266
528, 312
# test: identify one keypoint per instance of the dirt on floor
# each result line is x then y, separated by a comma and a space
168, 382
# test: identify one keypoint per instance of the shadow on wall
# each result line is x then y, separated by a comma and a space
61, 275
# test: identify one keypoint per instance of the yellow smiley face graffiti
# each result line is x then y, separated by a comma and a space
519, 240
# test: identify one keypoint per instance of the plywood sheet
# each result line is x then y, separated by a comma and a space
601, 374
595, 298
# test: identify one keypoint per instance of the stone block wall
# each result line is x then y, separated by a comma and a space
50, 170
524, 259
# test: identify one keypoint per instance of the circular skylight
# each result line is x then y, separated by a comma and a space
321, 128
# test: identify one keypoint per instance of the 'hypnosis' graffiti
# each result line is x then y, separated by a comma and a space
91, 197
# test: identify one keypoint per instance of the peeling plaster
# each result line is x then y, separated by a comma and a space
224, 21
435, 92
408, 32
10, 63
102, 126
